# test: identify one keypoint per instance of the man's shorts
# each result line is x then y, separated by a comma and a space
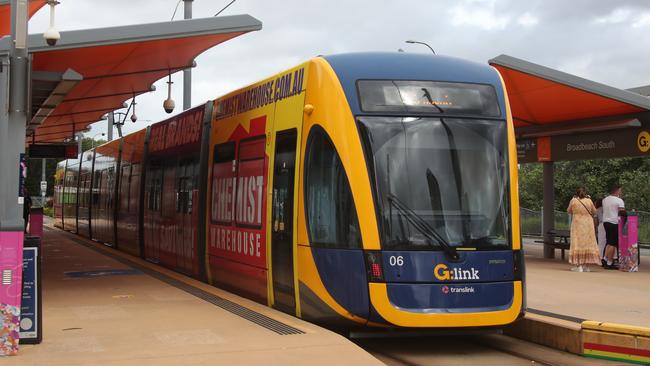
611, 233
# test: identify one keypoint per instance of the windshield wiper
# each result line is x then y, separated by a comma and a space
419, 223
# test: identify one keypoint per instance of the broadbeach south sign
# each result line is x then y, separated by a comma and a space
626, 142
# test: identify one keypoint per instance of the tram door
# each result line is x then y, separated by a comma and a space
282, 221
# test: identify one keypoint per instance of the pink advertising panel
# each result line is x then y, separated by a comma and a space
11, 265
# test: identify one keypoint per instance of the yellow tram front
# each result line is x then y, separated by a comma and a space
410, 194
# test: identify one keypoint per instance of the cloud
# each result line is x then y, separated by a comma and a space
473, 16
527, 20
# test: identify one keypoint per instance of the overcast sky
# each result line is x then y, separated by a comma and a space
606, 41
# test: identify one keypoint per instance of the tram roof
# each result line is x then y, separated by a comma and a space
91, 72
350, 67
542, 98
5, 14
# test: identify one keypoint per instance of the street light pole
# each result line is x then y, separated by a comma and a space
411, 41
111, 122
187, 73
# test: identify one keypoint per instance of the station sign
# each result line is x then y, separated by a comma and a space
30, 309
625, 142
54, 151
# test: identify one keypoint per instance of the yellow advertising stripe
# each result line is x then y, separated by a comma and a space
618, 356
379, 298
616, 328
514, 174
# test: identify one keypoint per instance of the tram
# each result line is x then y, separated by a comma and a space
355, 190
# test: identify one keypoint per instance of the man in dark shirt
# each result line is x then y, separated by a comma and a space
27, 206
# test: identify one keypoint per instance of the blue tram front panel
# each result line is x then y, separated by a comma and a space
429, 282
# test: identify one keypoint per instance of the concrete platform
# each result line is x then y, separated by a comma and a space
601, 314
134, 318
602, 295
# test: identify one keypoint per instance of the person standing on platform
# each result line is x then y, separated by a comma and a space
584, 249
600, 230
612, 207
27, 206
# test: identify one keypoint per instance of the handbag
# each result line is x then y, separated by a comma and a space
593, 216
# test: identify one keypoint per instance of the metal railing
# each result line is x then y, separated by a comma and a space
531, 223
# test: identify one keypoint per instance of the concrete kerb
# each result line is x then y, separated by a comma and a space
609, 341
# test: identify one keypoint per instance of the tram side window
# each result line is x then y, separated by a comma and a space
184, 195
250, 182
154, 191
331, 215
96, 185
223, 172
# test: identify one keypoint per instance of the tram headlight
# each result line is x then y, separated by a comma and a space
374, 266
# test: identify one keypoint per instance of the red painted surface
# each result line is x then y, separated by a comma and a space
541, 101
5, 15
237, 228
244, 279
617, 349
36, 223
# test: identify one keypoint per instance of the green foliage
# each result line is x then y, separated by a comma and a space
595, 175
48, 211
530, 186
88, 143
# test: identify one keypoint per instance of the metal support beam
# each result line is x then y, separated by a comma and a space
187, 73
548, 212
109, 128
13, 127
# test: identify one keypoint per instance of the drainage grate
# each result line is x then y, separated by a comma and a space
234, 308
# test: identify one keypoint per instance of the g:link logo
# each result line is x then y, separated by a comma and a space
444, 273
643, 141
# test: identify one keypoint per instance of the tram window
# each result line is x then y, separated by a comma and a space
184, 204
223, 172
250, 182
95, 189
331, 214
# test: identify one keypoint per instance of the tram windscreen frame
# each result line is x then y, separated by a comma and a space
418, 97
452, 173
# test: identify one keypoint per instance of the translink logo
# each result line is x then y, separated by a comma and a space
444, 273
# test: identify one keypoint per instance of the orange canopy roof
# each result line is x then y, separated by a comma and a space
540, 96
120, 62
5, 14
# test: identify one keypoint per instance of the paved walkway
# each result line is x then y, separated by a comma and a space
601, 295
136, 319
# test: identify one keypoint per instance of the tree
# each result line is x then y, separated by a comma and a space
595, 175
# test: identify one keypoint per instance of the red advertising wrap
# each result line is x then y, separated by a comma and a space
239, 205
178, 132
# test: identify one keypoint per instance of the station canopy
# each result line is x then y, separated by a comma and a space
548, 102
92, 72
5, 14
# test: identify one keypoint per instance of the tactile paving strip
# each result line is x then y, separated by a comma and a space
234, 308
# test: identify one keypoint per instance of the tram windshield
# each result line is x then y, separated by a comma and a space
449, 172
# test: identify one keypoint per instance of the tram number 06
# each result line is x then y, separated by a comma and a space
396, 260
